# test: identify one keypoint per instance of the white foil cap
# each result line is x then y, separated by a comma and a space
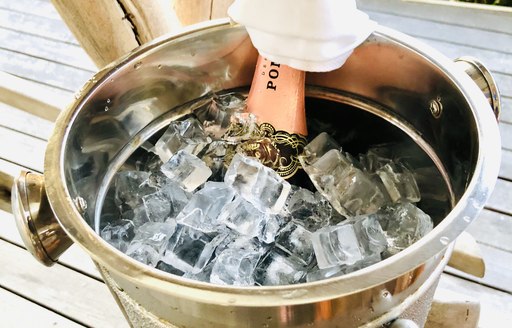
310, 35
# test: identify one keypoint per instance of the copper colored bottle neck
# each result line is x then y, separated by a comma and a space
277, 96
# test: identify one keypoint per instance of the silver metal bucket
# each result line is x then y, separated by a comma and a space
394, 80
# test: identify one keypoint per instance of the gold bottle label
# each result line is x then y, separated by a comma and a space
278, 150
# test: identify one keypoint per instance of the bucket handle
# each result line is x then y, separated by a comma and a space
483, 78
40, 231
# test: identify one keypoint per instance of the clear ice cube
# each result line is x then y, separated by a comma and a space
149, 163
149, 242
279, 268
372, 239
119, 234
316, 273
310, 209
258, 184
294, 239
130, 187
161, 265
157, 206
318, 147
243, 217
216, 114
350, 190
235, 267
143, 253
399, 183
336, 245
137, 215
217, 158
187, 170
404, 224
187, 135
271, 228
189, 250
243, 127
203, 210
203, 275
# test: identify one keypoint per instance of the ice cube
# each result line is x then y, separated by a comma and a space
294, 239
216, 114
143, 253
119, 234
270, 229
161, 265
157, 206
149, 242
399, 183
217, 157
149, 163
243, 217
372, 239
337, 245
318, 147
187, 170
189, 250
203, 275
404, 224
319, 274
235, 267
137, 215
349, 190
376, 157
130, 186
243, 127
187, 135
258, 184
309, 209
236, 241
204, 208
279, 268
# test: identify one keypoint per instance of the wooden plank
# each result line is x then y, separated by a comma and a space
448, 32
192, 11
506, 165
22, 149
501, 198
6, 180
220, 8
57, 75
506, 135
24, 122
75, 257
101, 27
496, 306
497, 271
59, 52
497, 62
70, 293
506, 108
19, 312
492, 229
461, 15
32, 7
8, 171
53, 29
16, 92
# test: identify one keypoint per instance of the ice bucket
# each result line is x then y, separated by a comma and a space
391, 80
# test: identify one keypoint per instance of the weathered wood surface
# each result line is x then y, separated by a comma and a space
36, 46
108, 29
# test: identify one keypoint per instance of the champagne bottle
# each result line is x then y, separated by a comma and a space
276, 98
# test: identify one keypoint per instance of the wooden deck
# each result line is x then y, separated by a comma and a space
36, 46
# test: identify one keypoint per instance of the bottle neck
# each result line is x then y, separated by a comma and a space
277, 97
